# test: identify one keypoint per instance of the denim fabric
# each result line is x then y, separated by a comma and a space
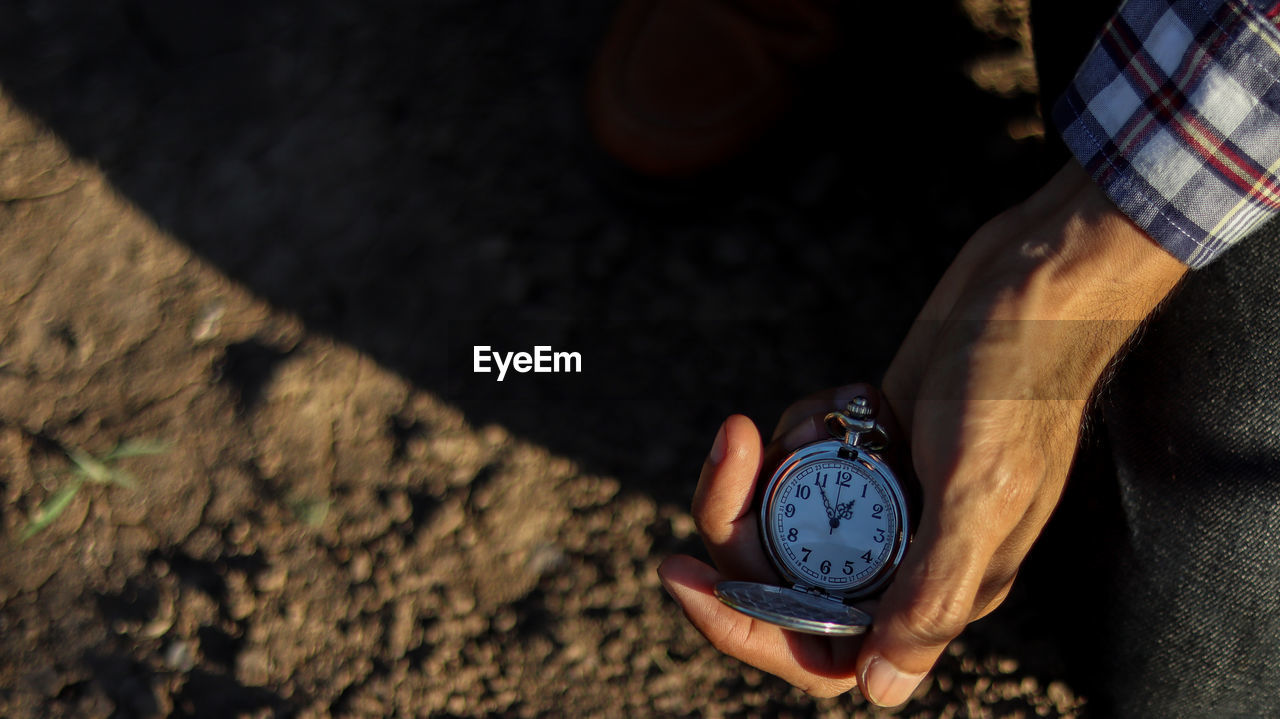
1162, 566
1192, 420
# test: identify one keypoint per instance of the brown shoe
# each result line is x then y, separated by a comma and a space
681, 86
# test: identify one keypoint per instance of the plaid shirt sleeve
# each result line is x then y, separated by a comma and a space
1176, 114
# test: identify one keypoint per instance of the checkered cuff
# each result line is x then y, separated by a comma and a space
1176, 114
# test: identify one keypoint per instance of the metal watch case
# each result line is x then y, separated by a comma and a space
807, 607
872, 462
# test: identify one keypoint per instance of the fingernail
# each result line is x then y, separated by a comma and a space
666, 587
887, 685
718, 448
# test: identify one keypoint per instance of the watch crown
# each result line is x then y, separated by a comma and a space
859, 408
857, 426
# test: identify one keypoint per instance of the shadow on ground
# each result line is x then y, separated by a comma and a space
414, 180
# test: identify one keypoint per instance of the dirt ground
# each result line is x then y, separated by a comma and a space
268, 237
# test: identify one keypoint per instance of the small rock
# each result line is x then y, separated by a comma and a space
207, 323
462, 602
399, 508
240, 601
494, 435
400, 630
180, 656
253, 667
203, 543
271, 580
504, 620
361, 567
238, 533
1061, 696
682, 526
546, 558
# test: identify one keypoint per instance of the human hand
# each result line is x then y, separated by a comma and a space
729, 525
989, 387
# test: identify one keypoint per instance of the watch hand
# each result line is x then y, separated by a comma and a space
835, 513
845, 510
831, 513
825, 502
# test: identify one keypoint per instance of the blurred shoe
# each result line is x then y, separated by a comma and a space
683, 86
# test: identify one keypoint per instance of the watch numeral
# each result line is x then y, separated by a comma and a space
848, 566
791, 510
875, 511
866, 557
825, 566
820, 479
879, 536
793, 534
803, 491
806, 551
845, 478
864, 491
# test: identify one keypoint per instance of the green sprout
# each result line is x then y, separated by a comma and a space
310, 511
95, 470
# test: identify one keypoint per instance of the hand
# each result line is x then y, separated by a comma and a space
722, 508
989, 387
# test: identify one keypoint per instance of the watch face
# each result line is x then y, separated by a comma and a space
835, 521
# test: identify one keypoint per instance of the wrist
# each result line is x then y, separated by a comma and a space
1089, 271
1041, 299
1074, 256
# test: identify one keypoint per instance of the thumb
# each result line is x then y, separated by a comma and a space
929, 603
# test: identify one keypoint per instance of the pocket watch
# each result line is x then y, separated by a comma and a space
835, 523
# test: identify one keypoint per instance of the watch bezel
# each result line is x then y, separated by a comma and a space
828, 450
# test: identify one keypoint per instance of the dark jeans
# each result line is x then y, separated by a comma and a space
1164, 559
